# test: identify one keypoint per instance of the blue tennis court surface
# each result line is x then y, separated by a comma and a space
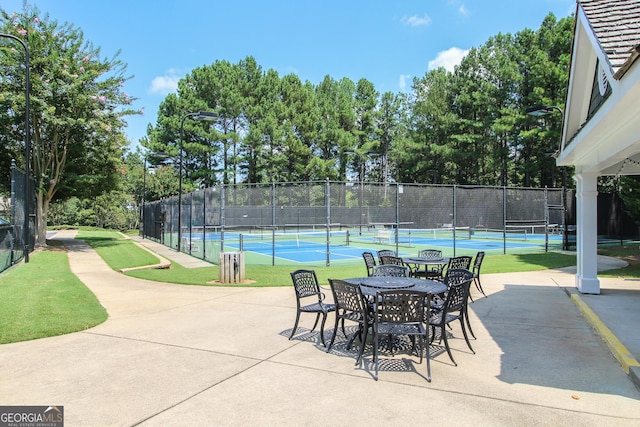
311, 247
307, 252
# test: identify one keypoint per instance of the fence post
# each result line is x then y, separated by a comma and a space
222, 217
190, 221
546, 220
504, 220
204, 223
273, 223
398, 190
327, 203
454, 219
13, 210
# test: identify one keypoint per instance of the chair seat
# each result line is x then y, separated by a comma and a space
436, 317
353, 316
436, 304
318, 306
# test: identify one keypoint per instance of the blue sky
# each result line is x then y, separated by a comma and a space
385, 42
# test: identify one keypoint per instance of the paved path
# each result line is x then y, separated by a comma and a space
172, 355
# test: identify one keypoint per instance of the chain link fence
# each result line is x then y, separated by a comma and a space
12, 236
269, 220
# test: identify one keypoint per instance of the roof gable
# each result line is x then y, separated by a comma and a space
600, 129
616, 25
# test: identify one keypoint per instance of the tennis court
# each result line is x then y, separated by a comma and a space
347, 245
258, 219
298, 247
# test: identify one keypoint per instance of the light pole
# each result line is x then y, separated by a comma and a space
206, 116
544, 110
158, 155
363, 159
27, 145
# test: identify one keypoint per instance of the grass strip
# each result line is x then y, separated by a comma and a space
116, 250
44, 298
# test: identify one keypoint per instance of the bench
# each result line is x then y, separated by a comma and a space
383, 236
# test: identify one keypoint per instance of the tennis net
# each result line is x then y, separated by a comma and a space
266, 241
409, 236
516, 232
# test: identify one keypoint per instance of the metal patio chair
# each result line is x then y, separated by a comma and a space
308, 290
401, 312
369, 261
454, 307
385, 252
350, 305
477, 263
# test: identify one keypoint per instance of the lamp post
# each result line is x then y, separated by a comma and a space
206, 116
363, 159
27, 146
158, 155
544, 110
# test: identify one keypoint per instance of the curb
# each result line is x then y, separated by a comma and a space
164, 263
629, 364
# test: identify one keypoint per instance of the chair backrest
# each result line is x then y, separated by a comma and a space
477, 263
390, 259
369, 261
385, 252
430, 253
348, 297
400, 306
391, 270
305, 283
460, 262
455, 276
458, 291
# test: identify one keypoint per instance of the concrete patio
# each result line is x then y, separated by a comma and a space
189, 355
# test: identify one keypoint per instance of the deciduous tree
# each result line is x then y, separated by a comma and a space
78, 106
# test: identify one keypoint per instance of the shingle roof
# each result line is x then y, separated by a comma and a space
616, 24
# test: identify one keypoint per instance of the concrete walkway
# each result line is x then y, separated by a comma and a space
172, 355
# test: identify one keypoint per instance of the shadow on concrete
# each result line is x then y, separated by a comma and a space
545, 341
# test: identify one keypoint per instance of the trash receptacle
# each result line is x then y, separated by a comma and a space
231, 267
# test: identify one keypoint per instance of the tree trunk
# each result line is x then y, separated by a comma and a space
42, 209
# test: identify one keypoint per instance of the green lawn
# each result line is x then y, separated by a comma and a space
117, 251
279, 275
629, 253
43, 298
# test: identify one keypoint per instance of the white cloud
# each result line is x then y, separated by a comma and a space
416, 21
462, 10
166, 84
448, 59
403, 80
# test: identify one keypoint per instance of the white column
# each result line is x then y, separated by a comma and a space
587, 233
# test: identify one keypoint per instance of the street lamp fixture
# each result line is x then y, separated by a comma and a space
206, 116
544, 110
27, 145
